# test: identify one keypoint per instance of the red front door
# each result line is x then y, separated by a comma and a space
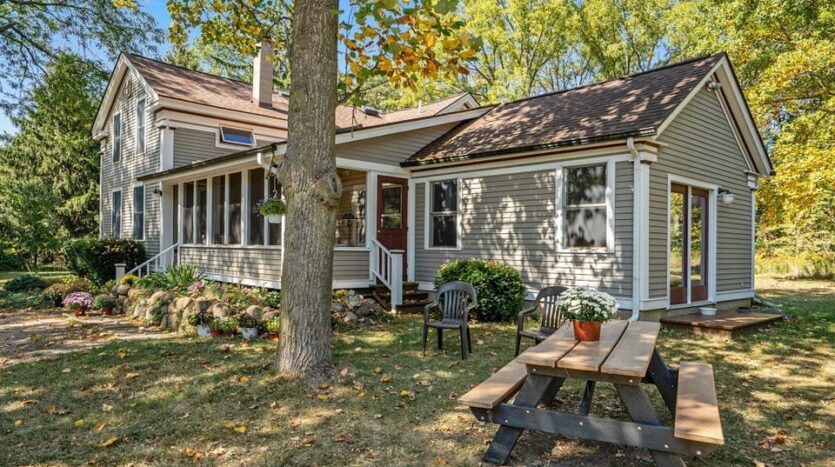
392, 195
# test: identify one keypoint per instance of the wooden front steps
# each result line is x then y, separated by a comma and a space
413, 299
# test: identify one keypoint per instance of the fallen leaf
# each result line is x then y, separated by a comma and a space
30, 402
308, 441
243, 379
377, 370
79, 423
322, 397
342, 439
131, 375
294, 422
441, 460
109, 441
360, 393
51, 409
18, 422
122, 354
405, 393
240, 429
385, 378
324, 386
99, 427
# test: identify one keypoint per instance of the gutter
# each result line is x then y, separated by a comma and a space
636, 229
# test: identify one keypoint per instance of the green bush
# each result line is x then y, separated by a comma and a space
179, 277
153, 281
96, 258
272, 299
501, 293
23, 300
24, 283
104, 302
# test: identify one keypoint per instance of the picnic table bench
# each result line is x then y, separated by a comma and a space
624, 356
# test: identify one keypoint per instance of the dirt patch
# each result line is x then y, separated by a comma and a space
31, 335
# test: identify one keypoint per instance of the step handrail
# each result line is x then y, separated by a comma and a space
387, 266
162, 260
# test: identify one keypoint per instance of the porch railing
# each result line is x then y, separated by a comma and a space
387, 267
160, 262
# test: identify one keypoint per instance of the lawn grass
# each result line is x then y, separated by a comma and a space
6, 276
218, 402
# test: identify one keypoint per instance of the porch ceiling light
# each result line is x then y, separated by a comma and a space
726, 197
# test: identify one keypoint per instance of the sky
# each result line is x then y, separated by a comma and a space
155, 7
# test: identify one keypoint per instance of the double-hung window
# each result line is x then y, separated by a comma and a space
443, 205
140, 126
139, 213
117, 137
585, 221
116, 214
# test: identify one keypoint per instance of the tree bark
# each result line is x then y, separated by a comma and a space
312, 189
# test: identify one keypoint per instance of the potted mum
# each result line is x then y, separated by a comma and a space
78, 302
272, 209
588, 308
250, 326
224, 327
202, 322
273, 327
105, 303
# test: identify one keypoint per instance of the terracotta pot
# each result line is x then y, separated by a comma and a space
273, 336
587, 330
107, 312
216, 333
229, 333
79, 311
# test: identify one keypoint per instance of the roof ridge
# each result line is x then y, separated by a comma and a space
162, 62
583, 86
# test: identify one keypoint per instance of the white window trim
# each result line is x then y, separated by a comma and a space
113, 135
144, 210
220, 143
121, 211
427, 225
144, 126
559, 178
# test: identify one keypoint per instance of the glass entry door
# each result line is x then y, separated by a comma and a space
689, 241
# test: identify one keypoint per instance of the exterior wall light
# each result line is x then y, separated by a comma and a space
726, 197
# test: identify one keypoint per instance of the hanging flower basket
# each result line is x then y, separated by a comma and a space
272, 209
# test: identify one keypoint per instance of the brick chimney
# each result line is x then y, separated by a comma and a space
262, 74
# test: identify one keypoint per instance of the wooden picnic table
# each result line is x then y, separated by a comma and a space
626, 357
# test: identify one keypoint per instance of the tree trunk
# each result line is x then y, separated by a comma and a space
312, 189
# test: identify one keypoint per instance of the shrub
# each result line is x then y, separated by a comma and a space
248, 321
499, 286
79, 284
153, 281
180, 277
78, 300
273, 325
128, 280
96, 258
272, 299
224, 325
23, 300
24, 283
202, 318
104, 302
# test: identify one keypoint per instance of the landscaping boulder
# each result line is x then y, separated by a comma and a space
134, 294
255, 311
270, 313
161, 298
122, 289
337, 307
349, 319
181, 304
203, 304
221, 310
365, 309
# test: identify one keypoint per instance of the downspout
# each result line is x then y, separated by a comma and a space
636, 229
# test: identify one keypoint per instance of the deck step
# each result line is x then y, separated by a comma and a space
414, 300
697, 410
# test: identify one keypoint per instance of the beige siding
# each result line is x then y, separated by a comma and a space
194, 145
391, 149
235, 263
700, 145
350, 265
122, 175
511, 218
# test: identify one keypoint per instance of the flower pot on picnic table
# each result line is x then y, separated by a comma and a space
588, 331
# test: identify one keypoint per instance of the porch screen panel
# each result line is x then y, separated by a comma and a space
218, 209
274, 229
188, 212
235, 197
585, 207
351, 212
256, 194
200, 210
175, 217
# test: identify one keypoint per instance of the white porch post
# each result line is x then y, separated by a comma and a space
371, 216
411, 215
209, 211
245, 207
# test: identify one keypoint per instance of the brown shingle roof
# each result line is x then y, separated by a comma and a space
630, 106
202, 88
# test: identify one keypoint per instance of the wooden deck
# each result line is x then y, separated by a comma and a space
726, 324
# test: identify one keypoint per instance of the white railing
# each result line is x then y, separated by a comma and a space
160, 262
387, 266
